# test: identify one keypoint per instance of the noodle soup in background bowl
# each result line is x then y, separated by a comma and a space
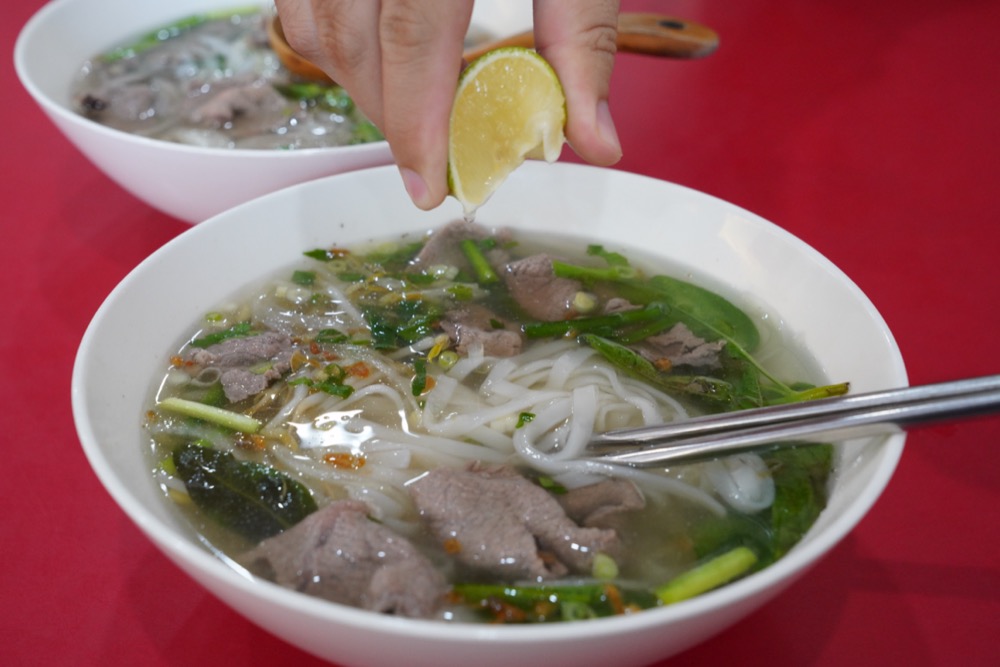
188, 182
715, 244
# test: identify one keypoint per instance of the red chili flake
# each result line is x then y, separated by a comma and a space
452, 546
663, 364
178, 361
314, 347
358, 369
504, 612
344, 460
614, 598
330, 356
251, 441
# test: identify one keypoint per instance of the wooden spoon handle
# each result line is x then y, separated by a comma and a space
658, 35
650, 34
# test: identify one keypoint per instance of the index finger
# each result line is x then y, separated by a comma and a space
577, 37
421, 54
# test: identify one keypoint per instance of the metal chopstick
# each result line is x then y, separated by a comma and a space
834, 419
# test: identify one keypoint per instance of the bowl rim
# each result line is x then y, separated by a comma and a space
771, 579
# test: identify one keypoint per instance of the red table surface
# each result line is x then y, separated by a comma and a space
869, 129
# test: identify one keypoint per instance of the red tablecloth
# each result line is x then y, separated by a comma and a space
869, 129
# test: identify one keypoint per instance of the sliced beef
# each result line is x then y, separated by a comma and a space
603, 504
443, 247
339, 554
504, 525
473, 324
257, 102
247, 365
130, 105
679, 346
617, 304
538, 291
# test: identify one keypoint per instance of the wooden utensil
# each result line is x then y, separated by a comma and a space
650, 34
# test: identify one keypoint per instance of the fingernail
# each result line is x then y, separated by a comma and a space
415, 187
606, 127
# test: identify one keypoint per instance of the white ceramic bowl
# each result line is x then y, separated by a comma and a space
188, 182
723, 245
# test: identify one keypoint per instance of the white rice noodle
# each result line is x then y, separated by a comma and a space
464, 367
315, 402
581, 423
383, 502
373, 389
338, 297
496, 439
565, 365
288, 409
447, 451
444, 388
456, 426
743, 481
569, 392
388, 455
380, 486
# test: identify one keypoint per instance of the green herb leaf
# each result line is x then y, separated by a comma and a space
330, 336
239, 330
304, 277
704, 388
419, 383
800, 475
251, 499
524, 418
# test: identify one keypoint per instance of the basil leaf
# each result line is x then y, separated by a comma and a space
249, 498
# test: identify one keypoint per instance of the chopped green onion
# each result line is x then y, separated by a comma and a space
261, 368
574, 610
551, 485
420, 376
602, 323
447, 359
238, 330
335, 372
524, 418
461, 292
304, 277
719, 570
604, 567
334, 388
480, 265
209, 413
330, 336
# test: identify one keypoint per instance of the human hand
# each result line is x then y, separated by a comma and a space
400, 61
